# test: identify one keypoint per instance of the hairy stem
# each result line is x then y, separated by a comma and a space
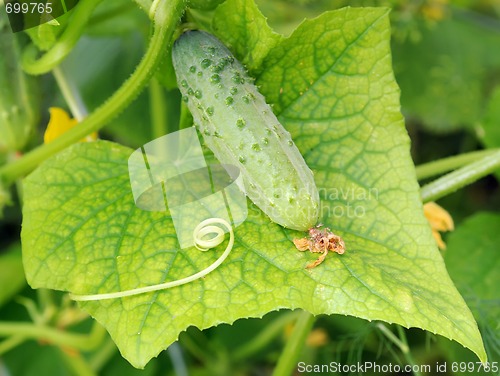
459, 178
288, 358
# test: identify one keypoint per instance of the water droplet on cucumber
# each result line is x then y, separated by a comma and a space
215, 79
256, 147
205, 63
240, 123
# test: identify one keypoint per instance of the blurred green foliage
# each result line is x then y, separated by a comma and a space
447, 63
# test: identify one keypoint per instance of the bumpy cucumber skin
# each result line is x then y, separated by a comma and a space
241, 129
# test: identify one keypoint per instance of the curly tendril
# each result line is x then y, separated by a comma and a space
166, 20
203, 229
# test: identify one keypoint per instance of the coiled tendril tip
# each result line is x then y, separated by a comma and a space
204, 228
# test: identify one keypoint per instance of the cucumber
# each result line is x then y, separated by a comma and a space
241, 129
18, 95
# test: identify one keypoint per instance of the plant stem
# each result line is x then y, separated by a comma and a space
459, 178
77, 363
166, 18
200, 352
186, 119
402, 344
393, 338
157, 102
408, 356
444, 165
102, 355
288, 358
64, 45
55, 336
119, 10
175, 353
45, 301
265, 336
10, 343
71, 94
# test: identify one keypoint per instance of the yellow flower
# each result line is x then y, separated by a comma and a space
316, 338
440, 221
434, 10
59, 123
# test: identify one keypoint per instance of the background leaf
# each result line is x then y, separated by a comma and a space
337, 95
489, 129
44, 360
11, 273
244, 29
445, 89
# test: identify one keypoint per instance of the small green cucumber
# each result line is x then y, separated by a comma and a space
241, 129
18, 95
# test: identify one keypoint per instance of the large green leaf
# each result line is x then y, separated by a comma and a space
332, 86
244, 29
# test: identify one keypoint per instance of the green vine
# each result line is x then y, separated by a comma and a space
166, 18
288, 358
